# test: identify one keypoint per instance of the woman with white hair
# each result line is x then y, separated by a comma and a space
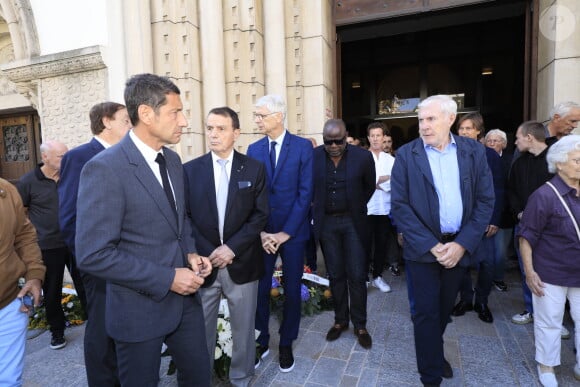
549, 239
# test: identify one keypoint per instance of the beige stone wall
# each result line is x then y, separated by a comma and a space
62, 87
558, 54
176, 53
188, 48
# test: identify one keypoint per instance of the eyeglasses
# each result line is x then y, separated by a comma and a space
339, 141
260, 117
576, 161
493, 141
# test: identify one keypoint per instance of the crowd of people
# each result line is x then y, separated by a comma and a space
153, 245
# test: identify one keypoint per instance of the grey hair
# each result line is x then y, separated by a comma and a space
498, 132
563, 108
558, 153
274, 103
44, 147
447, 104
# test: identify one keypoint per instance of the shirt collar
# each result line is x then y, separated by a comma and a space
149, 153
278, 140
103, 142
561, 186
230, 158
451, 141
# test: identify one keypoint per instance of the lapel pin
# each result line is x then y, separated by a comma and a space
2, 193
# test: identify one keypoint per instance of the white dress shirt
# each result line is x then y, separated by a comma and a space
380, 202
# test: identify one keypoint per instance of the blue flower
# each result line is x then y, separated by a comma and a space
304, 293
275, 283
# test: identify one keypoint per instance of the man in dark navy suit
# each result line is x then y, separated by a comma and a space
288, 161
228, 213
442, 197
344, 182
109, 123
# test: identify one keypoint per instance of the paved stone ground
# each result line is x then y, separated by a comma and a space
498, 354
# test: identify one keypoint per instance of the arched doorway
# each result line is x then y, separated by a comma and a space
19, 121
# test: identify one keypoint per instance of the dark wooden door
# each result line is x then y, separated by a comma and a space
18, 145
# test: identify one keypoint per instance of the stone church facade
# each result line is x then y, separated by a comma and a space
219, 52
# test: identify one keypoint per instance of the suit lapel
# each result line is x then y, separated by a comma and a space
264, 149
422, 161
235, 176
207, 180
284, 150
151, 185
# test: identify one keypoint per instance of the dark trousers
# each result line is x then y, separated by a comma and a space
55, 260
310, 251
485, 268
381, 234
100, 356
139, 362
345, 259
435, 289
292, 254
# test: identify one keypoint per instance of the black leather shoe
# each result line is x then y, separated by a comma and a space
286, 358
335, 331
447, 370
484, 313
364, 339
461, 308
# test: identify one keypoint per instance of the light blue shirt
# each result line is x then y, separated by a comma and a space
445, 171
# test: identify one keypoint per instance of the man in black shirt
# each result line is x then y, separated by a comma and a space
38, 189
344, 181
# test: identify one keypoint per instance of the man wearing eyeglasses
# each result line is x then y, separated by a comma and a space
288, 161
344, 181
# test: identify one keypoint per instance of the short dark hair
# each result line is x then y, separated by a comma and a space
100, 111
147, 89
477, 121
332, 123
535, 129
378, 125
225, 111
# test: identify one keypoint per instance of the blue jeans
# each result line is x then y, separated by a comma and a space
501, 242
345, 260
13, 325
526, 290
484, 274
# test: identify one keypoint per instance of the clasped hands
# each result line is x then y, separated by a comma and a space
448, 254
271, 242
189, 279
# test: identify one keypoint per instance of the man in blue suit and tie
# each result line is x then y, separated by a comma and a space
109, 124
133, 233
288, 161
442, 197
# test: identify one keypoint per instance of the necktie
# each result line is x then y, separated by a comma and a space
222, 196
273, 155
165, 180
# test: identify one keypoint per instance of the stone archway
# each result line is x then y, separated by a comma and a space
20, 22
19, 122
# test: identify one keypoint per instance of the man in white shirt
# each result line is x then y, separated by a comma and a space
379, 206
